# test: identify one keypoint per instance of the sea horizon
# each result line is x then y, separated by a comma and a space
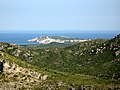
22, 38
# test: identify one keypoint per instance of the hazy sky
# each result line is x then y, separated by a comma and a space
59, 14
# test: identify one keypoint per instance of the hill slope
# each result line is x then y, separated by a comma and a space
97, 58
19, 75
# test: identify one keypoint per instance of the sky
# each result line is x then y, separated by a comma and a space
23, 15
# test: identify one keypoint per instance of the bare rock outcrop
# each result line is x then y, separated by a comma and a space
13, 68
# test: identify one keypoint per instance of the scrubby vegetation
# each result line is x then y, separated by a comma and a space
95, 57
92, 64
53, 44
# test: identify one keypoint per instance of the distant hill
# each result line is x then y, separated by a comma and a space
53, 44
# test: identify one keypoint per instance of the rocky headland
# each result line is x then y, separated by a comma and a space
57, 39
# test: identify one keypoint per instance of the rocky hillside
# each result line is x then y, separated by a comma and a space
16, 51
19, 75
89, 65
96, 57
100, 57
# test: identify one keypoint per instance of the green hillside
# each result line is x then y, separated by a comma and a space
48, 79
92, 64
53, 44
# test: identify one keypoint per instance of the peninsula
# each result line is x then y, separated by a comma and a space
57, 39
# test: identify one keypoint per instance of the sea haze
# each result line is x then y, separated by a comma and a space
22, 39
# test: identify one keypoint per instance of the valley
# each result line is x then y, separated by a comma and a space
89, 65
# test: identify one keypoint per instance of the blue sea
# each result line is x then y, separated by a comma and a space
22, 39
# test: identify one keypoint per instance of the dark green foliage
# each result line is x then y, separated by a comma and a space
97, 57
92, 57
90, 65
53, 44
